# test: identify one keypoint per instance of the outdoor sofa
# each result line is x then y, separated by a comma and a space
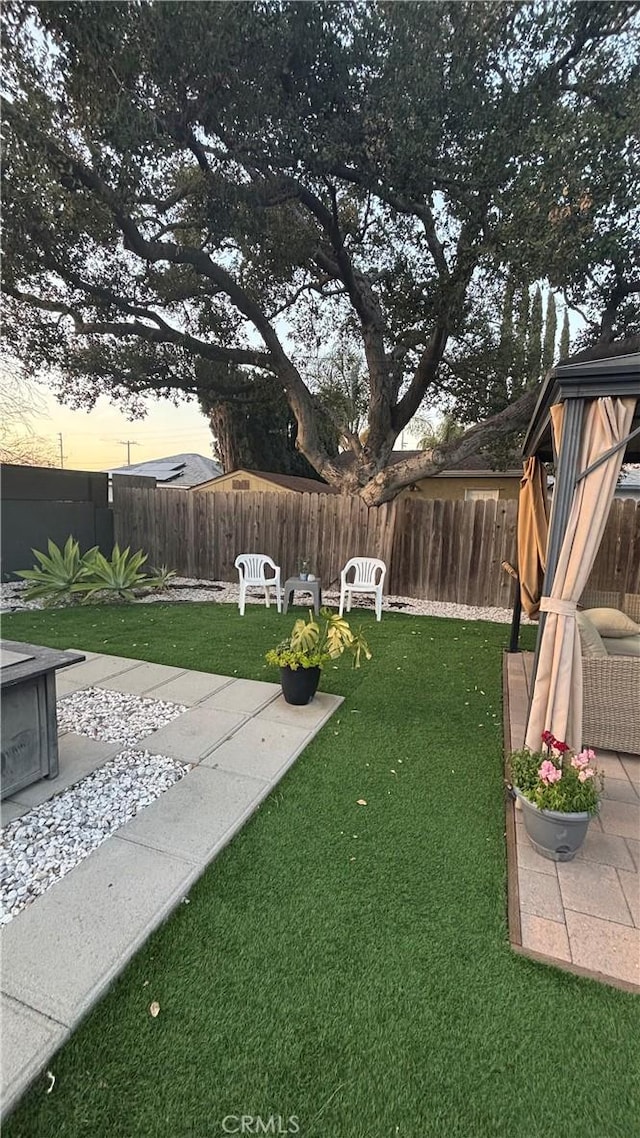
611, 682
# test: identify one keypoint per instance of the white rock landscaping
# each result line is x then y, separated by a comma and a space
46, 843
188, 589
114, 716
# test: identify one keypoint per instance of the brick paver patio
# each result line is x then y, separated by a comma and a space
584, 914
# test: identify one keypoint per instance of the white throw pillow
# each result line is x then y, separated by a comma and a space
590, 638
612, 622
622, 646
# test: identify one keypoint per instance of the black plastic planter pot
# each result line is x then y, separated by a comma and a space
299, 686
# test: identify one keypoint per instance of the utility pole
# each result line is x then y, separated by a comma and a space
128, 443
61, 451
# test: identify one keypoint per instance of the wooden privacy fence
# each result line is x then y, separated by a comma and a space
436, 550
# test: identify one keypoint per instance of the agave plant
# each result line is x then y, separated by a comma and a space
119, 575
160, 578
60, 574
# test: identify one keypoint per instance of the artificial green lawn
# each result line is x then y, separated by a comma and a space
346, 964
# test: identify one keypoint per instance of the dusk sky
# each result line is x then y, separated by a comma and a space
94, 440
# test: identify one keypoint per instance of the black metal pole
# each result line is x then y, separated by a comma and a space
514, 645
517, 607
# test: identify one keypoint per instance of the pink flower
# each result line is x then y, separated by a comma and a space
581, 760
585, 773
548, 773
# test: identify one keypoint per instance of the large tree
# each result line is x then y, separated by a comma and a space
20, 403
497, 361
237, 184
253, 425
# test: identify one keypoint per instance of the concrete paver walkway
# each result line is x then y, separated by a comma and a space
583, 914
61, 953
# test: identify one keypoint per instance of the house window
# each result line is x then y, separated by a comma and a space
240, 484
481, 495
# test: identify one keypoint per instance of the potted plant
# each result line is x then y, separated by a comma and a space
559, 792
311, 645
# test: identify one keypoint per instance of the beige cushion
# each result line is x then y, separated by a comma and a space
590, 638
622, 646
612, 622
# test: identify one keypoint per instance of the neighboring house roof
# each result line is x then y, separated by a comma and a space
289, 481
179, 470
629, 479
478, 466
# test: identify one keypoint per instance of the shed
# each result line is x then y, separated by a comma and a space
261, 480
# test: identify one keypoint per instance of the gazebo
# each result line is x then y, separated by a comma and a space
587, 422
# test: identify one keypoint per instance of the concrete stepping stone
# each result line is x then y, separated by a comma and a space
28, 1039
12, 810
62, 952
65, 686
79, 756
141, 679
246, 696
98, 668
312, 715
259, 748
199, 816
190, 687
192, 735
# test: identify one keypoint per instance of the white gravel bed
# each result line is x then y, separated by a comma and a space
12, 599
226, 592
114, 716
186, 589
43, 845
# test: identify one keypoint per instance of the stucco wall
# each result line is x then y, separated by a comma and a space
248, 481
450, 488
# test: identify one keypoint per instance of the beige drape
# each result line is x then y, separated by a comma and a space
557, 698
533, 528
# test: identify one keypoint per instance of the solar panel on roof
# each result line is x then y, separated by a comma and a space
161, 471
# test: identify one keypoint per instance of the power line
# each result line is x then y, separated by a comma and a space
149, 435
128, 443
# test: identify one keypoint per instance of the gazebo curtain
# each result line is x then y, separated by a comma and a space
533, 529
557, 699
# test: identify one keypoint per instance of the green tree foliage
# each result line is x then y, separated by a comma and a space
253, 425
534, 338
564, 337
499, 362
340, 382
237, 184
550, 327
436, 433
520, 361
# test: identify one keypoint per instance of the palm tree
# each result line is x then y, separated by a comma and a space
435, 433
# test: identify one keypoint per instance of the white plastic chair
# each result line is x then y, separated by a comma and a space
251, 570
366, 571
